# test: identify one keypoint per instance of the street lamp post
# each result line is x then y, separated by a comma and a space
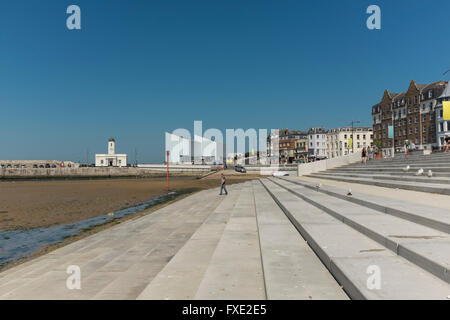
353, 136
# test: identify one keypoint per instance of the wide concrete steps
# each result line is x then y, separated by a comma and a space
432, 217
424, 246
438, 188
417, 157
390, 171
409, 260
413, 178
436, 163
247, 249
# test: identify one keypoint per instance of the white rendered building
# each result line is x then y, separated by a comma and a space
442, 126
338, 140
317, 143
111, 159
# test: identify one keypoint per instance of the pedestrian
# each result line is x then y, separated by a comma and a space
369, 153
222, 185
364, 155
406, 147
446, 143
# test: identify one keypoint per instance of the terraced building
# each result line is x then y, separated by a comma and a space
412, 115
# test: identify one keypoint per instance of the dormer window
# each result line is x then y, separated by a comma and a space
430, 94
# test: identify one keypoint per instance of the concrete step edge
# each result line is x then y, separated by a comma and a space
426, 264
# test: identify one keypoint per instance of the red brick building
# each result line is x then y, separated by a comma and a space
412, 115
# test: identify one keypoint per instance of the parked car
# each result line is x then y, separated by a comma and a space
239, 168
53, 165
47, 165
280, 174
35, 165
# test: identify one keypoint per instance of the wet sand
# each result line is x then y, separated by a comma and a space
32, 204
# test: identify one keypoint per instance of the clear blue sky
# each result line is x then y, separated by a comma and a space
140, 68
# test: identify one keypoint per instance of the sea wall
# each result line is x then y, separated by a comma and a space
100, 172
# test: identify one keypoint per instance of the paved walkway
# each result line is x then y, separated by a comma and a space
205, 246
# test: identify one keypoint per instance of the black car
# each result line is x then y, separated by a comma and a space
240, 169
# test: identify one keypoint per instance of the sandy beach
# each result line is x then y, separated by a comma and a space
32, 204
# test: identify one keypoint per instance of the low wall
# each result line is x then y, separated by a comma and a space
287, 168
175, 168
311, 167
97, 172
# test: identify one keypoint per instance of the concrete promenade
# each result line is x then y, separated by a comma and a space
274, 238
205, 246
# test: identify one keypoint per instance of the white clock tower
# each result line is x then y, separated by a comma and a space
111, 146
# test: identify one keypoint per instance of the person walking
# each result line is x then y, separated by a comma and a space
406, 147
446, 143
222, 185
364, 155
369, 153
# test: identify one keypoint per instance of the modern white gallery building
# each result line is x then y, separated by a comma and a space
200, 150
